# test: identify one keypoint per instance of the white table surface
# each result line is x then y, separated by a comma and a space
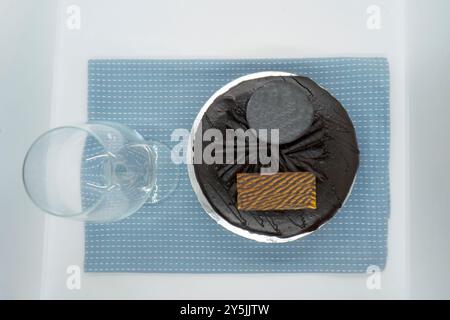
231, 29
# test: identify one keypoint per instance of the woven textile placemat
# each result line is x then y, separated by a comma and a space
176, 235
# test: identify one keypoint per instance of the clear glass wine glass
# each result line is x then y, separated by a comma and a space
97, 171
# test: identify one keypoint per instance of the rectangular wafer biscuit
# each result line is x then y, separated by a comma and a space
279, 191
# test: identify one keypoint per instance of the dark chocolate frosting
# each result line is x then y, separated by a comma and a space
328, 148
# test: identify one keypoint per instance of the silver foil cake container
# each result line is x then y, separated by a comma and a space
196, 186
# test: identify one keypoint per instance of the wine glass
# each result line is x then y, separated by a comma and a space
97, 171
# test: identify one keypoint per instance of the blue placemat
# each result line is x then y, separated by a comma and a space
176, 235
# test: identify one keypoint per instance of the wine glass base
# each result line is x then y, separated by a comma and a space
167, 173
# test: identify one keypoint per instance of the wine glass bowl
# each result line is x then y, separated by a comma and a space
98, 171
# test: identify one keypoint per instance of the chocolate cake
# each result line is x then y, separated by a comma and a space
316, 135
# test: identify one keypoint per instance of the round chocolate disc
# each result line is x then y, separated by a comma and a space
281, 105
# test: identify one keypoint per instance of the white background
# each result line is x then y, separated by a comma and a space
44, 80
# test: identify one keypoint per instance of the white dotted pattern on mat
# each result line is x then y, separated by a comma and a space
157, 96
